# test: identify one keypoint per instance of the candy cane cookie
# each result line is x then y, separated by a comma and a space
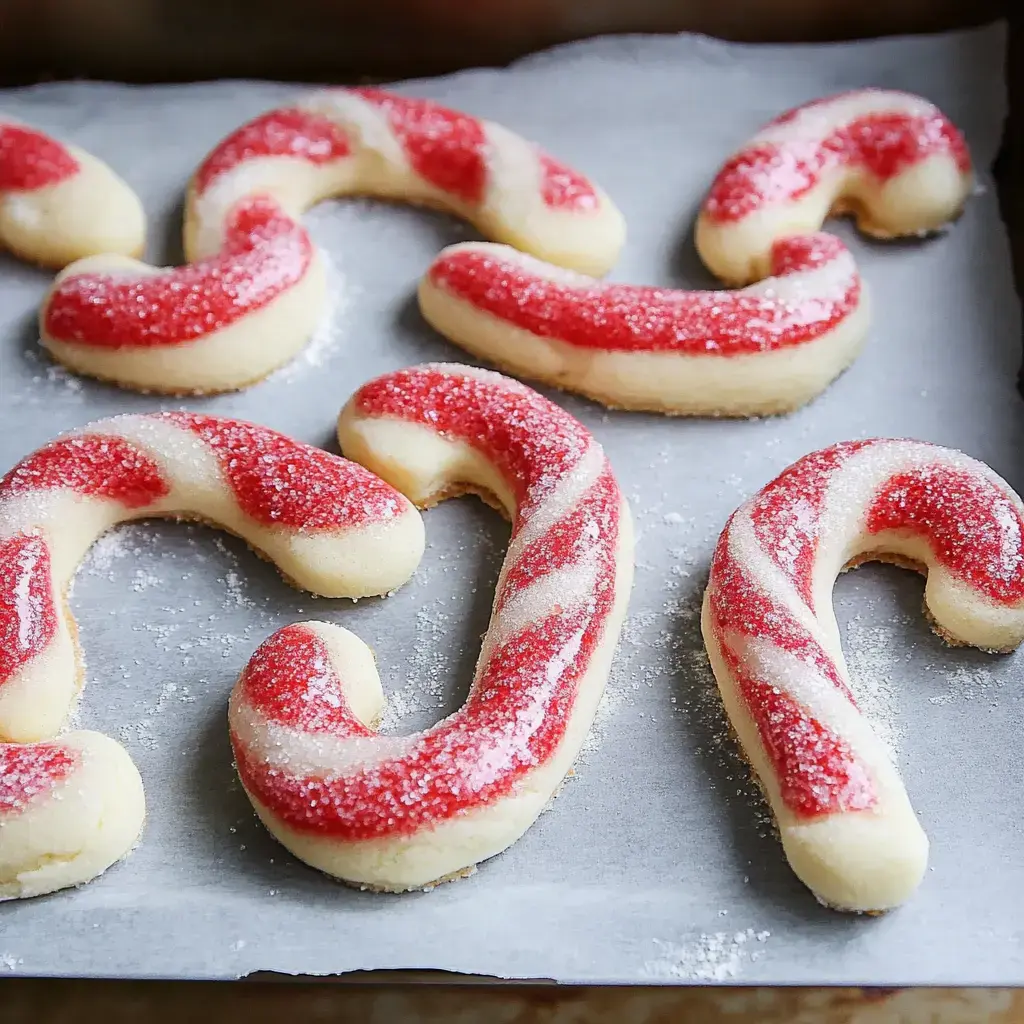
395, 813
893, 160
254, 291
72, 804
766, 349
846, 822
59, 203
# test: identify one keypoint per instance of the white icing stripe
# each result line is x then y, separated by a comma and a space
561, 500
565, 589
184, 459
366, 125
301, 754
817, 121
830, 282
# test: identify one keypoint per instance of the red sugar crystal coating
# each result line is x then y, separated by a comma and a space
633, 318
522, 697
562, 188
28, 619
971, 525
883, 144
31, 160
30, 770
445, 147
974, 530
286, 132
290, 681
281, 482
94, 465
531, 440
817, 771
265, 253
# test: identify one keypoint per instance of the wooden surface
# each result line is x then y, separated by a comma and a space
47, 1002
153, 40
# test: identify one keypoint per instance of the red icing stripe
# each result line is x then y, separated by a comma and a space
94, 465
531, 440
288, 132
521, 700
281, 482
290, 681
884, 145
445, 147
971, 525
28, 619
31, 160
265, 253
632, 318
562, 188
31, 770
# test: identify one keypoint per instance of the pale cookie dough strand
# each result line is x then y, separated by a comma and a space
892, 159
766, 349
395, 813
366, 141
72, 805
846, 822
59, 203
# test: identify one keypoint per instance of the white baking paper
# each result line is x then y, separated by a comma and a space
657, 863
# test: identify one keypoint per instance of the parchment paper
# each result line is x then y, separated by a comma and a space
657, 862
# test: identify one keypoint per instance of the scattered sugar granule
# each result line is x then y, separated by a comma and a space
717, 957
967, 684
236, 591
871, 654
333, 326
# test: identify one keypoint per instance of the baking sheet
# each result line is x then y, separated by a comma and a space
657, 863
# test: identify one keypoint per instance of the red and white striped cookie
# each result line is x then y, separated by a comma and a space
58, 203
254, 290
766, 349
217, 325
70, 806
846, 822
394, 813
892, 159
366, 141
